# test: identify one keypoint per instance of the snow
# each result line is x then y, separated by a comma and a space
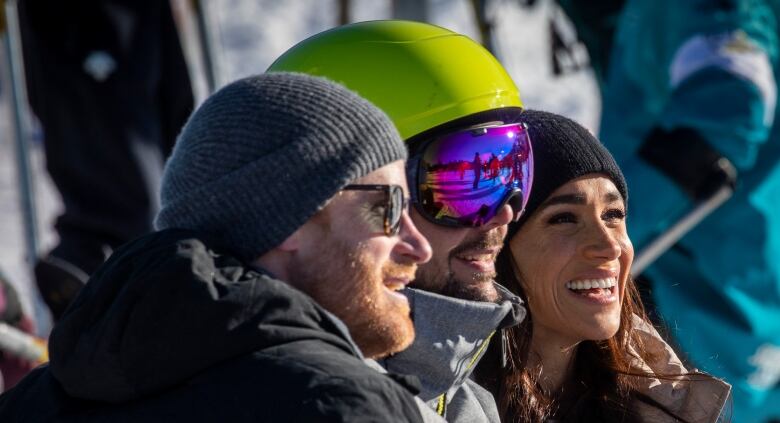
251, 33
264, 29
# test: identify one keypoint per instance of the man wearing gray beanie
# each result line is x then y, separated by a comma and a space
283, 238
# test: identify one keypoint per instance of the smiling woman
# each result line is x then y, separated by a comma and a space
586, 351
573, 257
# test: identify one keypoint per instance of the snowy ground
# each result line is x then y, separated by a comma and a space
254, 32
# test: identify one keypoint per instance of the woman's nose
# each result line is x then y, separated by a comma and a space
603, 243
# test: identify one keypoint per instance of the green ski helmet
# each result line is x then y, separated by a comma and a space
451, 100
421, 75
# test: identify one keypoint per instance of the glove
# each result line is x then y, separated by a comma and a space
689, 161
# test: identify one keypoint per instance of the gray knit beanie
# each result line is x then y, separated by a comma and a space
563, 150
262, 155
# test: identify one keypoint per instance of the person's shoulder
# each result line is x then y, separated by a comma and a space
330, 365
36, 398
472, 403
311, 380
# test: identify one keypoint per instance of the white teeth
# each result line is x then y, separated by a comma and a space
591, 283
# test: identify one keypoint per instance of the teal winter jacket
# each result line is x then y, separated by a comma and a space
709, 67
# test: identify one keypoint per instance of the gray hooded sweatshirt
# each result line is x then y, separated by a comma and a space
451, 337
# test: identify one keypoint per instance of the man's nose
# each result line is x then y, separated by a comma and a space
414, 246
503, 217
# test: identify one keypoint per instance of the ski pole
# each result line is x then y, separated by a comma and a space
413, 10
344, 7
484, 25
21, 124
664, 241
22, 345
209, 44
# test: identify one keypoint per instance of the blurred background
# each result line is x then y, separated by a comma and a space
690, 101
243, 37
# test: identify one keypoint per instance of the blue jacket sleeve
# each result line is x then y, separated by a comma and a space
726, 109
731, 111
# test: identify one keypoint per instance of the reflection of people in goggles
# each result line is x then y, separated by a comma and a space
452, 187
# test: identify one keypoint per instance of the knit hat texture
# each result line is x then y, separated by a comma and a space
563, 150
262, 155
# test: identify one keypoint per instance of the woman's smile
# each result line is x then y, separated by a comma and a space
595, 291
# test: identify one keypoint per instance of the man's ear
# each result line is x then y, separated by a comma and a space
305, 234
293, 242
277, 260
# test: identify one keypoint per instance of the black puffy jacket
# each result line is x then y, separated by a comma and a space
169, 330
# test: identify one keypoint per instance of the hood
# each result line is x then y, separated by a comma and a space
696, 396
166, 307
451, 336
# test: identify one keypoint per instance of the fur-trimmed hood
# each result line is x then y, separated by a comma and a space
695, 397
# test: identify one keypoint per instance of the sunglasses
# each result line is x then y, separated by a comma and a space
463, 178
395, 204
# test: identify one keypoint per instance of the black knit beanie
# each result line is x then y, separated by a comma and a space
262, 155
563, 150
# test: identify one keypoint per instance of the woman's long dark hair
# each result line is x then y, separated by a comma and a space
606, 385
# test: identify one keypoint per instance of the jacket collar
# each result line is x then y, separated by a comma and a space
451, 336
695, 396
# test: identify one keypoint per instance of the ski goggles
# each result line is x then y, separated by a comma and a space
395, 204
462, 179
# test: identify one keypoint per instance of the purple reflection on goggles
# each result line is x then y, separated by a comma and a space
465, 177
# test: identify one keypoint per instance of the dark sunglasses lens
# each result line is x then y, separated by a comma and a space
465, 177
395, 209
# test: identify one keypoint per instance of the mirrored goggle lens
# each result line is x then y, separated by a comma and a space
466, 177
